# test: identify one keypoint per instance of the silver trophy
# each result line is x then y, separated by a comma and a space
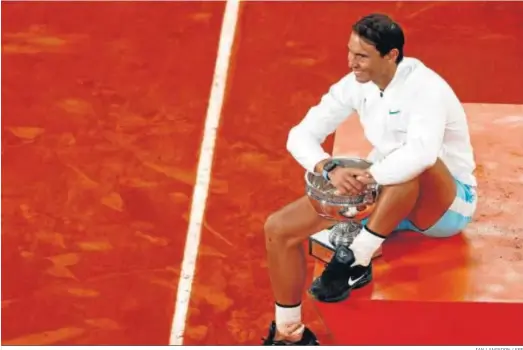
346, 210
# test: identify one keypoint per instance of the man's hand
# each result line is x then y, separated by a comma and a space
365, 177
346, 180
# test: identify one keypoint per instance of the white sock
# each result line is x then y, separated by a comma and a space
288, 316
364, 246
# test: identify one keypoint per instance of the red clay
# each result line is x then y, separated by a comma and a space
102, 116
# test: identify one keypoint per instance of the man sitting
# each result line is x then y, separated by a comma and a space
422, 159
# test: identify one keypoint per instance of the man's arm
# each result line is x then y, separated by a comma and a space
424, 140
305, 139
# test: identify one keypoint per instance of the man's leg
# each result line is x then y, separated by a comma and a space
285, 232
422, 200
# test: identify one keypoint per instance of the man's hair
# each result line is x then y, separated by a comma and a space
382, 32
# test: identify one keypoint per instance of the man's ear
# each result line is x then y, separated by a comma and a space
393, 55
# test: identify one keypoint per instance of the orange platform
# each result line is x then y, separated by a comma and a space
103, 107
432, 287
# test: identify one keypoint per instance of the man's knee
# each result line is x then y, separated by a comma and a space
274, 229
271, 226
292, 224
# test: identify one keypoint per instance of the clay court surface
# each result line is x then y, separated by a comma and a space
103, 112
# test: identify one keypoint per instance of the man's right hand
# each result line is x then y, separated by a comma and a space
344, 179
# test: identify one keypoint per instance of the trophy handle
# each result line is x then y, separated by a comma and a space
371, 193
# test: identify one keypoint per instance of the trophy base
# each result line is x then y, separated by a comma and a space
322, 248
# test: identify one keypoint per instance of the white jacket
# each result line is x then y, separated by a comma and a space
417, 119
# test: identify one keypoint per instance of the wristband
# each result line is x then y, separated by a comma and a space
328, 167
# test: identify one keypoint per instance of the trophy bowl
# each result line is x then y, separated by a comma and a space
341, 207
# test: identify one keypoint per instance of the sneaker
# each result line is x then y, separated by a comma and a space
308, 338
339, 277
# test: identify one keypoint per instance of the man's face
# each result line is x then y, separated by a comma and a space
365, 60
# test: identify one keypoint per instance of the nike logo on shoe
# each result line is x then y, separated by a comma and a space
353, 282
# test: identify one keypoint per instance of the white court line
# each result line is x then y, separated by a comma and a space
203, 174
